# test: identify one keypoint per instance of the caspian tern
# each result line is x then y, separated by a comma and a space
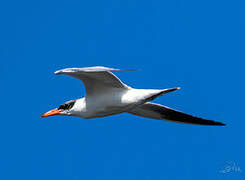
105, 95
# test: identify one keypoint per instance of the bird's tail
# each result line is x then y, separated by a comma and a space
160, 93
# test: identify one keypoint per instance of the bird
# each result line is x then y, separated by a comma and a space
106, 94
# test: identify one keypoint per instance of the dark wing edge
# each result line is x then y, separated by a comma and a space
157, 111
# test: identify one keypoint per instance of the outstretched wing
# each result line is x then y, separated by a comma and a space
157, 111
96, 79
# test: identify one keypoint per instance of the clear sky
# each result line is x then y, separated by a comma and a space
197, 45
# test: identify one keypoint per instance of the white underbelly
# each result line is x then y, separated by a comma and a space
114, 102
105, 105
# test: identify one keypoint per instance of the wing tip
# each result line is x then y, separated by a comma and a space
211, 123
127, 69
219, 124
57, 72
65, 71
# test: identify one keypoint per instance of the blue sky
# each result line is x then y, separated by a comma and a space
197, 45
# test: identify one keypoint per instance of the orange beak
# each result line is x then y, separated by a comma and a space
51, 113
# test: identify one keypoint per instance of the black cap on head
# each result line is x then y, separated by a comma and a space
68, 105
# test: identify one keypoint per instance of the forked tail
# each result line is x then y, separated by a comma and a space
160, 93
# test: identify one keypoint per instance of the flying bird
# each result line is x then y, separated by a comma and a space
106, 94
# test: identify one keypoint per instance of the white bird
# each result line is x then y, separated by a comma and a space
106, 95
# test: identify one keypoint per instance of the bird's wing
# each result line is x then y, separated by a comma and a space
157, 111
96, 79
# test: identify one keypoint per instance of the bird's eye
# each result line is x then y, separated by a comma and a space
66, 106
61, 107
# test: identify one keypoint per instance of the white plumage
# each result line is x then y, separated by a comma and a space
105, 95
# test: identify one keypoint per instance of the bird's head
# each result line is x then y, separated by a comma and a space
64, 109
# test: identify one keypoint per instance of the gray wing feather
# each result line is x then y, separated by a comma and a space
96, 79
157, 111
90, 69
